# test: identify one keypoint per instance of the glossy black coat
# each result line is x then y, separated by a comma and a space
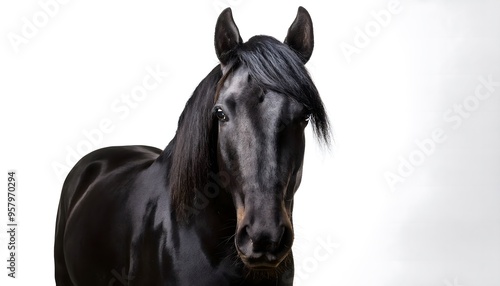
215, 206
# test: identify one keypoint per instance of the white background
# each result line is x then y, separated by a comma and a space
439, 226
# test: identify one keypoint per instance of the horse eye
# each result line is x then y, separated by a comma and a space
220, 114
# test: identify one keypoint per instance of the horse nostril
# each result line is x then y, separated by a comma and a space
243, 241
263, 246
267, 241
282, 232
286, 238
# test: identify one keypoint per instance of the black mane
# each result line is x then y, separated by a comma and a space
193, 145
275, 67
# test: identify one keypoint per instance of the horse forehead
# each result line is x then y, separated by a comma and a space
245, 95
236, 82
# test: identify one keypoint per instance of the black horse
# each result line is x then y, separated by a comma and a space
214, 207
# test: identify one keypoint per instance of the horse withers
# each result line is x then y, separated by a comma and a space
215, 206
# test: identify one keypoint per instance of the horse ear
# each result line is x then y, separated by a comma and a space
227, 36
300, 35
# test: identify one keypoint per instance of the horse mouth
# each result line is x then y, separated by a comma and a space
262, 261
261, 269
260, 265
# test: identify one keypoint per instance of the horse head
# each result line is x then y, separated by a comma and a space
264, 101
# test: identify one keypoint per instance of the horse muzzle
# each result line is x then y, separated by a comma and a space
264, 248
